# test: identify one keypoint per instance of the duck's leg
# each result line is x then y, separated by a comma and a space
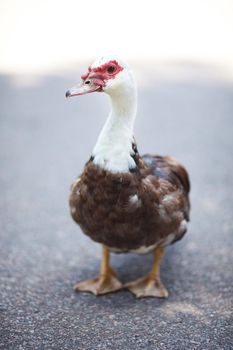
106, 282
150, 286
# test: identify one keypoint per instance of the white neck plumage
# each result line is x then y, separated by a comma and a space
113, 149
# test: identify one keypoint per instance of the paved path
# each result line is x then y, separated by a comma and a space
45, 141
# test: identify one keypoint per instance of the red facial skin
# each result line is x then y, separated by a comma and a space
95, 79
100, 74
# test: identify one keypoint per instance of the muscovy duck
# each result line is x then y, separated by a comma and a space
122, 200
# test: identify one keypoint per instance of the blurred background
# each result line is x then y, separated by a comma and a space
182, 55
46, 36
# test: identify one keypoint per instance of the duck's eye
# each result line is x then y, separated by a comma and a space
111, 69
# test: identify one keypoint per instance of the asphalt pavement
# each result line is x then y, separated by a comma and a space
44, 143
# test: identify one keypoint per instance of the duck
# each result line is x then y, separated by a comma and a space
127, 202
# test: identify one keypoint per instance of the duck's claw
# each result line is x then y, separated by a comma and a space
147, 287
100, 285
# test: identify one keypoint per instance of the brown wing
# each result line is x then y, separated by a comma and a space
169, 169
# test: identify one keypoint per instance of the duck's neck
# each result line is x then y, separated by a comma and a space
113, 150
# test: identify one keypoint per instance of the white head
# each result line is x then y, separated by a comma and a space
107, 74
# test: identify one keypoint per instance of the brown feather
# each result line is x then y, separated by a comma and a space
135, 209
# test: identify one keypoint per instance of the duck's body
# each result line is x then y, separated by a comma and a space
127, 202
134, 211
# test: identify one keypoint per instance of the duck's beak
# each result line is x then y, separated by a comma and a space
86, 87
82, 89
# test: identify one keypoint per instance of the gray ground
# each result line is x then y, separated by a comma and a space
45, 141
